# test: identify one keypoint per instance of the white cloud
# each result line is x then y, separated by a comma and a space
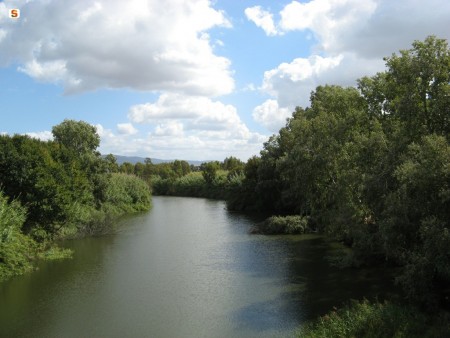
195, 112
291, 83
262, 19
169, 141
126, 129
186, 127
171, 128
370, 29
351, 38
42, 135
271, 116
328, 19
136, 44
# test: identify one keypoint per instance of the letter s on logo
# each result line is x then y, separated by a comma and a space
14, 13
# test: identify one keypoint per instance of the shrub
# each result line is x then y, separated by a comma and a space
293, 224
377, 320
126, 193
16, 250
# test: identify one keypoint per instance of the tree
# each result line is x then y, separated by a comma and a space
111, 163
209, 171
181, 168
232, 164
78, 136
414, 90
416, 223
127, 168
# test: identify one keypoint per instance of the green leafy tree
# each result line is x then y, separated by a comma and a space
79, 136
415, 89
416, 223
181, 168
127, 168
111, 163
209, 171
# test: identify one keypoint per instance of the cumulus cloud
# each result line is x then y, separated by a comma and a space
171, 128
42, 135
136, 44
188, 127
262, 19
366, 28
126, 129
327, 19
170, 141
271, 116
351, 37
194, 112
291, 83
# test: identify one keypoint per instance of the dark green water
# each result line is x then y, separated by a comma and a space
188, 268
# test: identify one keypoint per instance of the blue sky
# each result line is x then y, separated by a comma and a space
191, 79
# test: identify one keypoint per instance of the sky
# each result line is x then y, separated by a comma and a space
191, 79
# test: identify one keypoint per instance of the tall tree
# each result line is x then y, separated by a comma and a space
415, 89
78, 136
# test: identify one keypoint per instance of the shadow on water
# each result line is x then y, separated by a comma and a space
311, 286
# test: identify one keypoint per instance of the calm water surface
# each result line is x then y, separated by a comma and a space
188, 268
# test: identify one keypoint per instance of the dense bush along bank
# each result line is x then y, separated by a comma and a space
291, 225
58, 189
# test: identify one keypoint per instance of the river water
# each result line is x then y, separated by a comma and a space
187, 268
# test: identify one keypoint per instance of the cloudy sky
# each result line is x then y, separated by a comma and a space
191, 79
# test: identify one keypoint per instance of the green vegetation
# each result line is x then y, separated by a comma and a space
377, 320
211, 179
370, 166
293, 224
16, 249
58, 189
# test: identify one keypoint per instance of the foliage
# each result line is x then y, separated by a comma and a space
194, 185
292, 224
16, 250
370, 167
377, 320
77, 136
209, 171
126, 193
416, 222
67, 190
414, 90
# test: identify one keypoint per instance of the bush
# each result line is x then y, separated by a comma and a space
293, 224
126, 193
16, 250
364, 319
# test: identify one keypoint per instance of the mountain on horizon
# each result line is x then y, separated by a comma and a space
136, 159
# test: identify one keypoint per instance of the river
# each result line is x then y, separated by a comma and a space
187, 268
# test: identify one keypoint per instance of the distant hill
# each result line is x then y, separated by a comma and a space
135, 159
